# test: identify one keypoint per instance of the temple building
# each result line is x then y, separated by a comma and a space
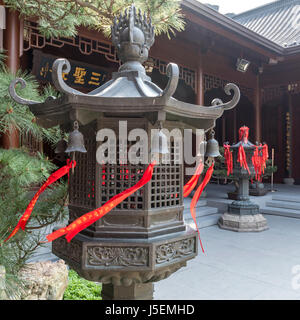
258, 50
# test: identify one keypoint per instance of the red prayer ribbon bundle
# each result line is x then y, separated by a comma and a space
242, 158
256, 160
91, 217
265, 157
53, 177
228, 159
259, 160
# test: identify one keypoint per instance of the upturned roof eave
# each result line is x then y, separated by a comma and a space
124, 105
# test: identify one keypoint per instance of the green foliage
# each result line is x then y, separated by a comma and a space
14, 115
81, 289
18, 171
62, 17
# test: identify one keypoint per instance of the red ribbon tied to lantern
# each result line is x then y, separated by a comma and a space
89, 218
259, 160
191, 184
242, 158
197, 195
52, 178
228, 159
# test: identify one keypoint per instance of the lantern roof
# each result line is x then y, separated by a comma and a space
130, 91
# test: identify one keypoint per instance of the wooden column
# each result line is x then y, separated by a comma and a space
257, 111
200, 79
11, 40
11, 43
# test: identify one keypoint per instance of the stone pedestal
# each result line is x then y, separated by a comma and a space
137, 291
243, 215
243, 223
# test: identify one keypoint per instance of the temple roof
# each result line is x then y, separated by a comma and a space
277, 21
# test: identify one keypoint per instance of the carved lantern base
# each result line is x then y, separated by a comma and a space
243, 223
121, 265
243, 215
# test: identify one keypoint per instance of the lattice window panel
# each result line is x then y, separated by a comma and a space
273, 93
166, 183
186, 74
213, 82
82, 182
114, 179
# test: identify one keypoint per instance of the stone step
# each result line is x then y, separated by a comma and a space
201, 203
204, 222
288, 198
200, 212
283, 204
290, 213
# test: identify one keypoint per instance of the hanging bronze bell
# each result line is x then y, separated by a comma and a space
212, 147
159, 143
61, 146
76, 140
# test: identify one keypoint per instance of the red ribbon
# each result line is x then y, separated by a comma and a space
257, 164
190, 185
259, 160
91, 217
228, 159
53, 177
196, 197
265, 156
242, 158
244, 134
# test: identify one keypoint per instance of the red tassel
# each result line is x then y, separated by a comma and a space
265, 156
53, 177
259, 160
242, 158
244, 134
89, 218
196, 197
256, 160
228, 159
189, 187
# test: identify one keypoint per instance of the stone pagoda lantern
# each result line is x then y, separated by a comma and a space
243, 215
144, 239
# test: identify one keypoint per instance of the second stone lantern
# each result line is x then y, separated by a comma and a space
243, 215
144, 239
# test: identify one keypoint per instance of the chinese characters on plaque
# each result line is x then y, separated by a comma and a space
81, 74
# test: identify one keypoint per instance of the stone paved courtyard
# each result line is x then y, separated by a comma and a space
242, 266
